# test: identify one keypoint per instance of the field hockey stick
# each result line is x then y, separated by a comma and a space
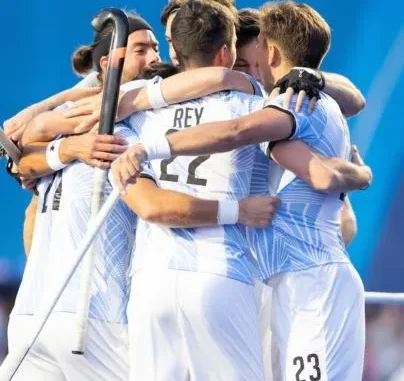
110, 94
15, 359
8, 148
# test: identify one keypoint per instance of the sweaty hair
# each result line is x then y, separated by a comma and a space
169, 9
200, 28
86, 57
301, 33
173, 6
230, 5
162, 69
248, 26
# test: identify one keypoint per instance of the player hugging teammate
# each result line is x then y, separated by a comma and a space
225, 260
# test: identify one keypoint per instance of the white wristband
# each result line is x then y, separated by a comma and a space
227, 213
155, 95
157, 148
52, 155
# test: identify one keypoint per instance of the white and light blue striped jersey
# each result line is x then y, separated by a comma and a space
306, 229
221, 250
62, 220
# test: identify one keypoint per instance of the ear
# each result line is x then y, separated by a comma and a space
274, 55
222, 57
104, 64
271, 54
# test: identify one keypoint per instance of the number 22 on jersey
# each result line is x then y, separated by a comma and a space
193, 165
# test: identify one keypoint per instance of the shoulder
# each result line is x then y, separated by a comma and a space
241, 103
136, 84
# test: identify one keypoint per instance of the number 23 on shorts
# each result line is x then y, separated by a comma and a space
312, 361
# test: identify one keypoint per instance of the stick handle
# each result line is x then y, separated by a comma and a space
110, 94
12, 150
88, 268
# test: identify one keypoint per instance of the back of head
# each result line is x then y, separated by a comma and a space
174, 5
229, 4
199, 30
300, 32
87, 57
248, 26
161, 69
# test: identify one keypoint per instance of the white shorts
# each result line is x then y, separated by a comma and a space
187, 325
317, 323
264, 299
51, 359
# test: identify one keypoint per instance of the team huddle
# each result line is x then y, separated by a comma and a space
225, 258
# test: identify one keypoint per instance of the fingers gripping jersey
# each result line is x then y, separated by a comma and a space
219, 250
306, 229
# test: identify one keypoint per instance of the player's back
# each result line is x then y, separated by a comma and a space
221, 250
306, 229
32, 280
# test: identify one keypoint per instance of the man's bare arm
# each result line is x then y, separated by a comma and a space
186, 86
322, 173
349, 226
47, 126
268, 124
15, 126
178, 88
175, 209
90, 148
345, 93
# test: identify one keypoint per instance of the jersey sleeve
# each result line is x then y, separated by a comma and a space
138, 83
306, 127
132, 85
258, 90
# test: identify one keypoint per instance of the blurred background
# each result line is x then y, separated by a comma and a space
367, 46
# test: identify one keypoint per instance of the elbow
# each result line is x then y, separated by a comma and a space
361, 103
151, 212
357, 104
153, 216
328, 183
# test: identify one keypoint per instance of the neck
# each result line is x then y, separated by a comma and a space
192, 65
279, 71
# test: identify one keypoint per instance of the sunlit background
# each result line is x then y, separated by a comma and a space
368, 46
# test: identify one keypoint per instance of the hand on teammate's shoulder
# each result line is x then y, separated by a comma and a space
305, 82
